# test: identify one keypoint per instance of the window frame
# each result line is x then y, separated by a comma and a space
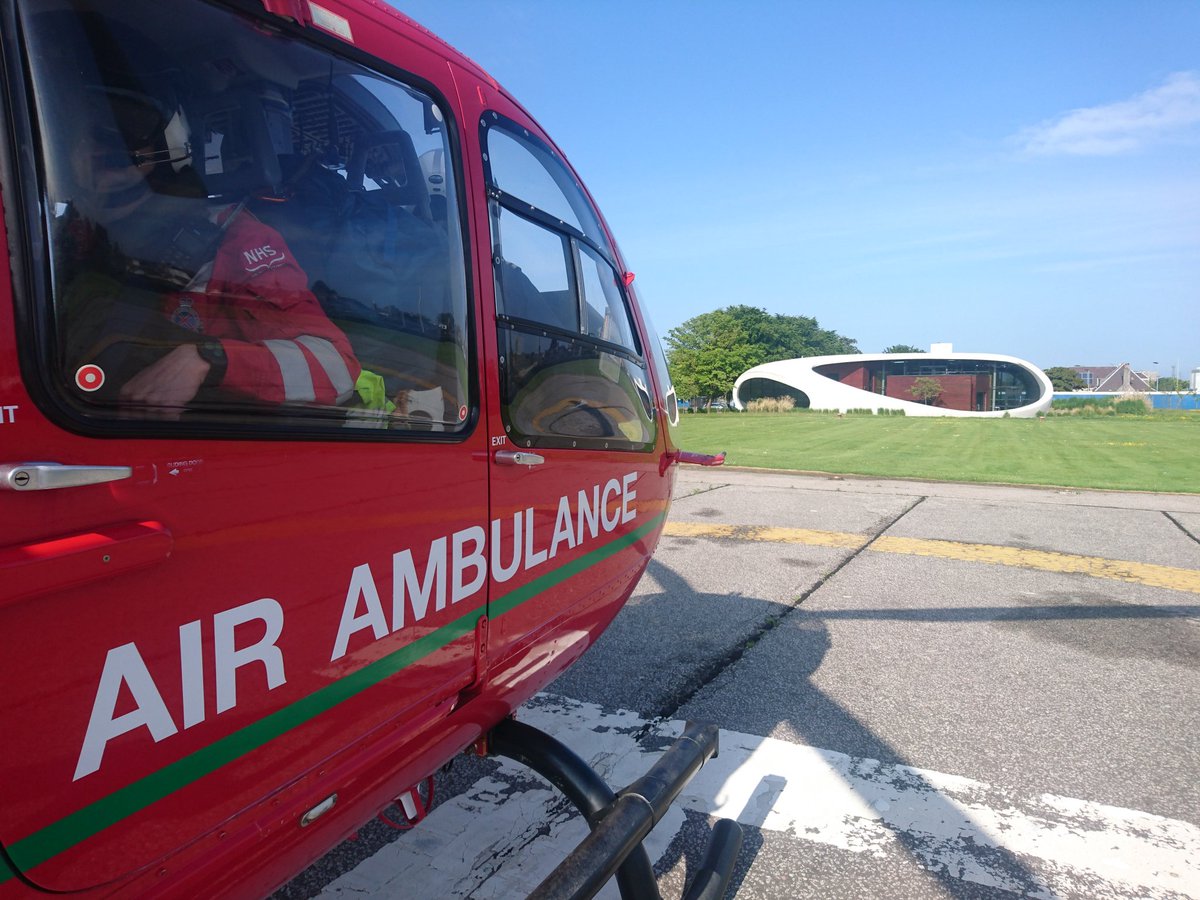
28, 222
501, 200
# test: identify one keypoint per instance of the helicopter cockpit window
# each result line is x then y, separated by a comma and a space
244, 230
661, 371
573, 371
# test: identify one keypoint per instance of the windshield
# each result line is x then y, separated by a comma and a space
661, 372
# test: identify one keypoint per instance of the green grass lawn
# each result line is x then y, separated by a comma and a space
1140, 453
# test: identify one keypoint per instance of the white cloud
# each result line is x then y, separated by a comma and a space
1120, 127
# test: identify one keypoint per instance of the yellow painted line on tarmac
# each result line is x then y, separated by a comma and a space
1047, 561
1149, 574
768, 533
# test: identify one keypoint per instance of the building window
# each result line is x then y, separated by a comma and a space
968, 384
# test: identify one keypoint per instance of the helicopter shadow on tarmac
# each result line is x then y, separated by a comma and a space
670, 651
711, 635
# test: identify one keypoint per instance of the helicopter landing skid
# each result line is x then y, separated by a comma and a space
621, 820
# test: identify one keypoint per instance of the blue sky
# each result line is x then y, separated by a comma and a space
1017, 177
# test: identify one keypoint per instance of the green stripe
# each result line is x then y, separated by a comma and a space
82, 824
6, 869
512, 600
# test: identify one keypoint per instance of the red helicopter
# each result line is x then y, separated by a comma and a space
333, 430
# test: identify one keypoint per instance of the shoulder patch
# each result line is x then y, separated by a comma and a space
260, 259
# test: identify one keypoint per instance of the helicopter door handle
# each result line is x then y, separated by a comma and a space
519, 458
49, 476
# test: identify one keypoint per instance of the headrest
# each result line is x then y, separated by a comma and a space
243, 134
389, 159
433, 166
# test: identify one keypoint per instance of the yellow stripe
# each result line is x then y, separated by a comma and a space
765, 533
1047, 561
1044, 560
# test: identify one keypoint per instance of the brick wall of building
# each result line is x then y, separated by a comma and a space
968, 392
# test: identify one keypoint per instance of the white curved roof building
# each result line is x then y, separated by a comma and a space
963, 384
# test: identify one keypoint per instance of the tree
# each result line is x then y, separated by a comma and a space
926, 390
708, 352
1063, 378
903, 348
1171, 384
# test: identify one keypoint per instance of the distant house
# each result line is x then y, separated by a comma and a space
1114, 379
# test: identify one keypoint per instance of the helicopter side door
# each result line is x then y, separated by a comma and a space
576, 493
208, 606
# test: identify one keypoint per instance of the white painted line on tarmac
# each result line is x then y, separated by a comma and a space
507, 832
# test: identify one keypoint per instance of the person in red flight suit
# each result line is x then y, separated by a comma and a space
265, 336
168, 309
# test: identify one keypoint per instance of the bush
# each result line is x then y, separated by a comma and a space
772, 404
1082, 402
1130, 407
860, 412
1091, 407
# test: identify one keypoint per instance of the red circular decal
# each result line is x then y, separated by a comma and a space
462, 414
89, 378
